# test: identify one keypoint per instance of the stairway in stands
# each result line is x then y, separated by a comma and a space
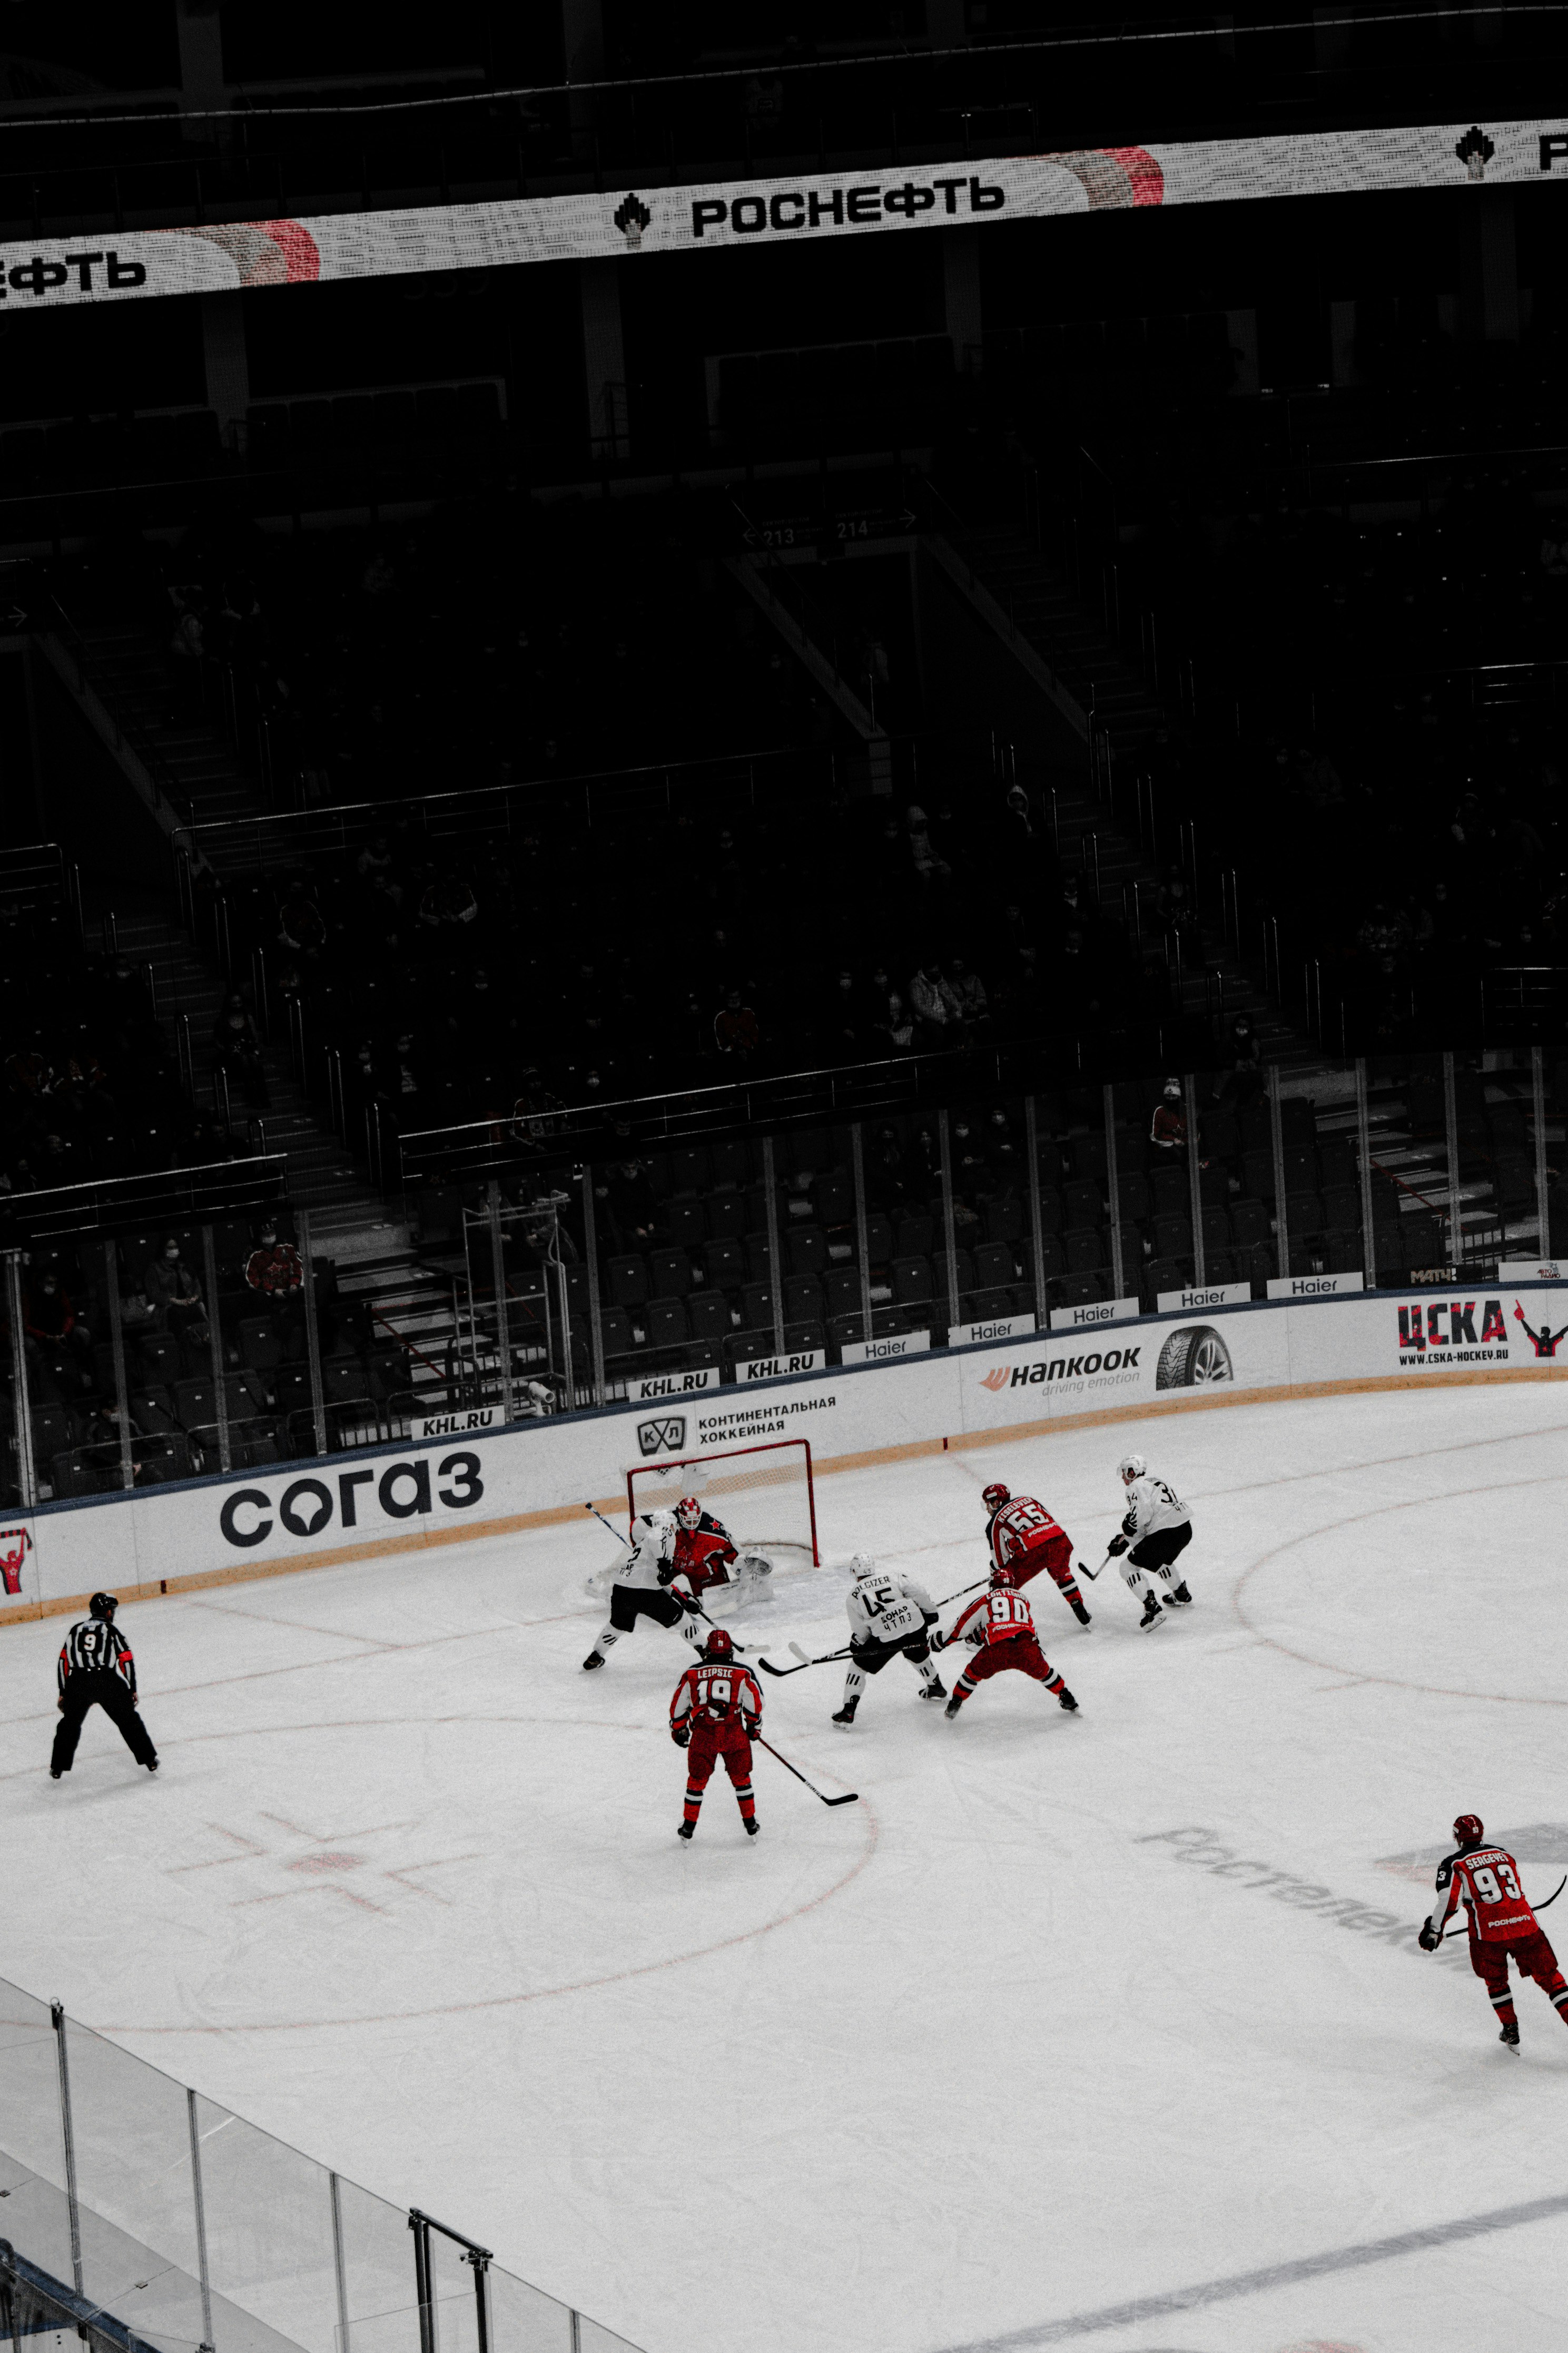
1037, 604
156, 702
156, 710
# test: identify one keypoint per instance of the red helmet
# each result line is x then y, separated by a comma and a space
1003, 1577
1469, 1829
688, 1512
719, 1645
994, 1496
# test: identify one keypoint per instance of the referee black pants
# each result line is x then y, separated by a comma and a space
105, 1690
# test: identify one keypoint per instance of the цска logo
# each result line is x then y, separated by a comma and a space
665, 1436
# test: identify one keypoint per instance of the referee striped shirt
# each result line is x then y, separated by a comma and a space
91, 1648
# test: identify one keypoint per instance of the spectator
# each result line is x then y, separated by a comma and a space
632, 1208
1244, 1070
173, 1294
237, 1042
927, 864
51, 1324
934, 1007
1168, 1128
736, 1031
968, 992
374, 859
274, 1269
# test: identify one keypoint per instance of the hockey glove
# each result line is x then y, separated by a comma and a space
1116, 1547
1429, 1939
680, 1734
689, 1603
939, 1640
752, 1727
665, 1573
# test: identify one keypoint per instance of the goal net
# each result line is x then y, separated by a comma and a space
763, 1494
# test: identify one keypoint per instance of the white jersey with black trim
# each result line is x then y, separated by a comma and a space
1152, 1505
652, 1549
883, 1607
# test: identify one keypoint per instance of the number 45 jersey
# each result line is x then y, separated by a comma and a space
883, 1607
1485, 1879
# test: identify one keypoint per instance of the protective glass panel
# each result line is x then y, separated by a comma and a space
269, 2228
523, 2319
131, 2126
377, 2269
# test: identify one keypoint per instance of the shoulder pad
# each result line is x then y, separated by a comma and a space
1446, 1871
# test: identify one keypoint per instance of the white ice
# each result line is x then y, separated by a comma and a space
976, 2055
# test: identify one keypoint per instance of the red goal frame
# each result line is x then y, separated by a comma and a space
730, 1455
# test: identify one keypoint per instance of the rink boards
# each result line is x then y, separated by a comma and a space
448, 1491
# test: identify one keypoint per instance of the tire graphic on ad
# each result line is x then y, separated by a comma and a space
1191, 1357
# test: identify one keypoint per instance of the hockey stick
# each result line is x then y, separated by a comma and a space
1083, 1569
853, 1799
768, 1668
697, 1610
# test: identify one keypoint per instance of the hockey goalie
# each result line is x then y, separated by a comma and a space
706, 1560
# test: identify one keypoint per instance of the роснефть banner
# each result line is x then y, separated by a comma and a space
704, 219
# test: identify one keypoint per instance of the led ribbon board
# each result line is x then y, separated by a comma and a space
715, 214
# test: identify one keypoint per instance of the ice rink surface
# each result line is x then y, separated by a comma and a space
1067, 2016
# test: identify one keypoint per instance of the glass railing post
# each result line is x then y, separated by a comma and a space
497, 1277
312, 1331
68, 2138
775, 1254
1451, 1134
1276, 1139
117, 1350
1195, 1181
949, 1232
591, 1254
1364, 1152
214, 1339
1113, 1196
1036, 1227
21, 1408
862, 1251
1543, 1197
203, 2270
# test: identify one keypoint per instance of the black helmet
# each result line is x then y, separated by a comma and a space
104, 1605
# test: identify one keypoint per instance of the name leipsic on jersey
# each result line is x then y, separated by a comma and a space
715, 1693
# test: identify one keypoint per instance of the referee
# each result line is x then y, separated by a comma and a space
97, 1670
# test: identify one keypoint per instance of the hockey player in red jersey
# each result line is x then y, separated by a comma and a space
1485, 1879
705, 1551
1001, 1627
1024, 1537
717, 1711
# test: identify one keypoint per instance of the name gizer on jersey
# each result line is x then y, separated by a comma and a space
887, 1610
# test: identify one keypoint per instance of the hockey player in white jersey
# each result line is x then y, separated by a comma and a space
640, 1587
1157, 1528
888, 1613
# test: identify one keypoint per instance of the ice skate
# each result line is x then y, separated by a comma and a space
685, 1829
1510, 2036
1080, 1613
1181, 1595
1152, 1613
953, 1704
935, 1689
1064, 1699
595, 1659
753, 1826
846, 1714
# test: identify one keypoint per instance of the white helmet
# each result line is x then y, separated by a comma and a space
1132, 1466
660, 1522
862, 1566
